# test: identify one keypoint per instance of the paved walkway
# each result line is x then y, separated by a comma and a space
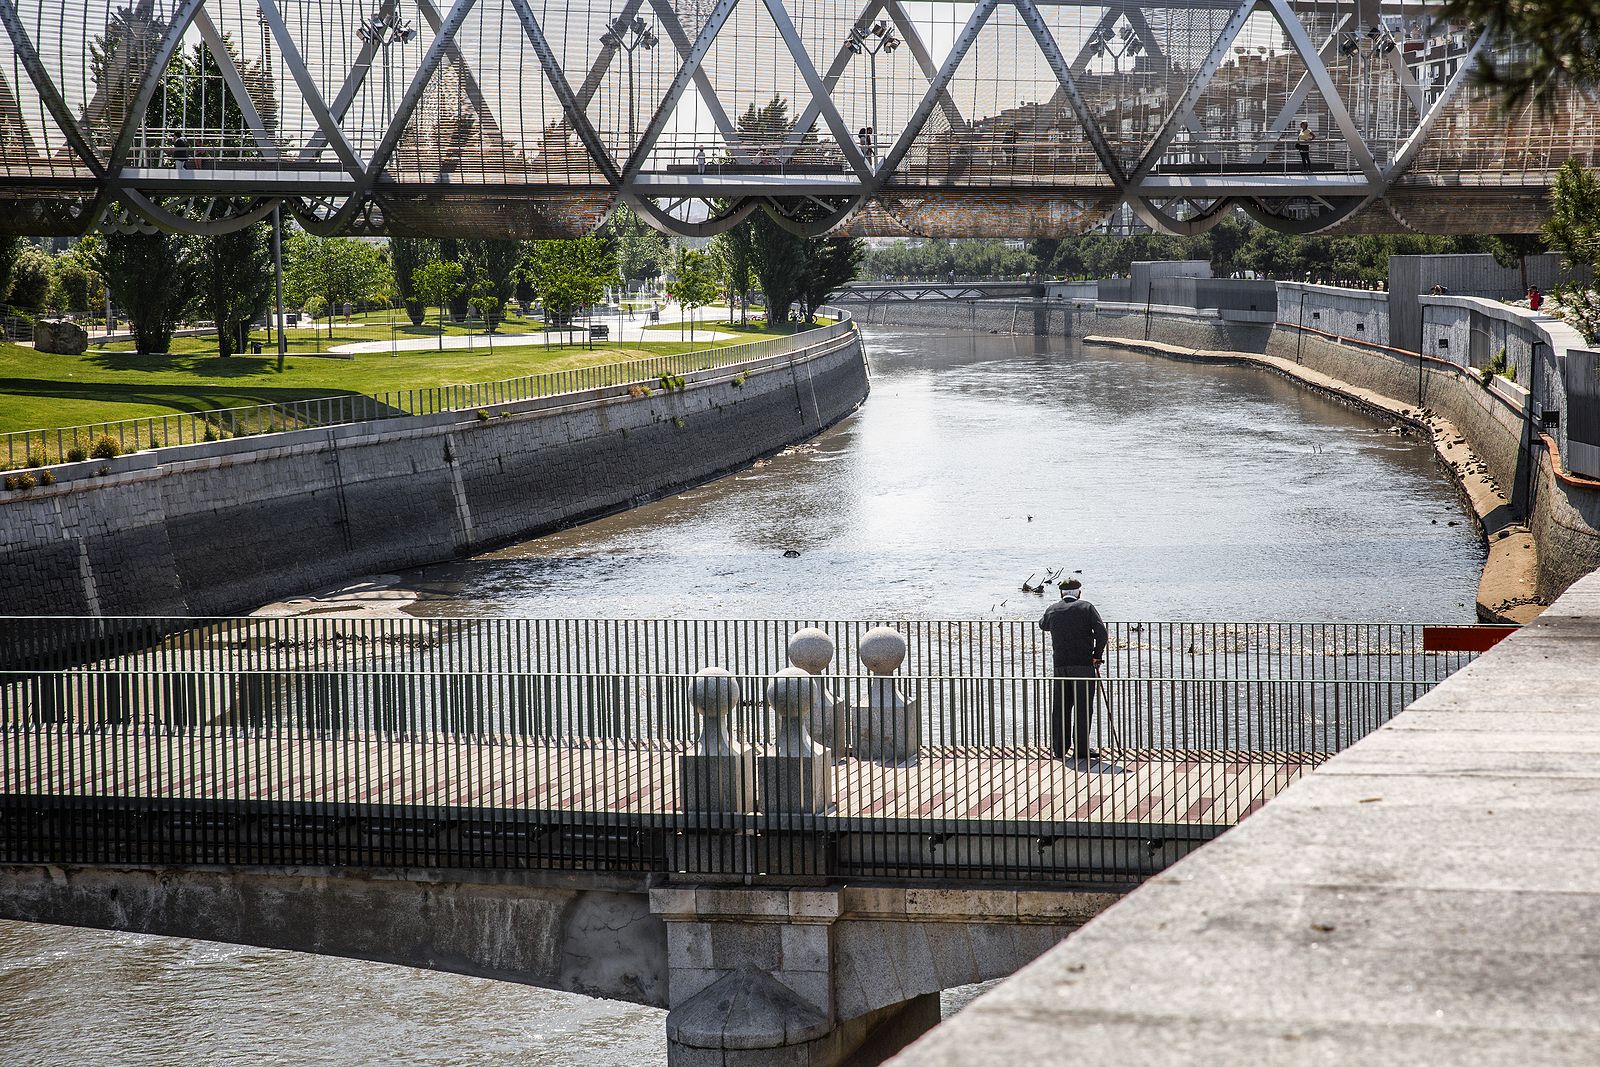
1429, 896
632, 331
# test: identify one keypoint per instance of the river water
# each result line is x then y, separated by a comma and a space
1179, 492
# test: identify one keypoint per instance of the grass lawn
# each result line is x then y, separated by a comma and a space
38, 390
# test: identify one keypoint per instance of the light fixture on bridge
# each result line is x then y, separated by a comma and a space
879, 38
630, 35
386, 29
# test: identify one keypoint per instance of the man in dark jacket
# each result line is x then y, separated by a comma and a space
1077, 645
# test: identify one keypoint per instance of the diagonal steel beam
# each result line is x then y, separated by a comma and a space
702, 81
353, 81
819, 91
235, 82
937, 87
48, 93
1297, 98
919, 51
1301, 41
469, 80
1197, 88
1413, 144
602, 62
1408, 81
575, 115
808, 117
1080, 108
289, 54
149, 82
680, 82
443, 45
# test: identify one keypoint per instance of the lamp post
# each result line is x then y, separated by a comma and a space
1115, 46
630, 35
880, 37
385, 28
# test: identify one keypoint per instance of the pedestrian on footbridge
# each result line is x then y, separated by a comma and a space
1077, 648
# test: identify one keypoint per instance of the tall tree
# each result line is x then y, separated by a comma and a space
694, 284
406, 255
155, 278
438, 282
237, 287
1573, 229
31, 277
339, 270
569, 275
734, 248
10, 251
830, 262
491, 264
641, 251
1557, 41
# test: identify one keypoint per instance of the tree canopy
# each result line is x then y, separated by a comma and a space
569, 275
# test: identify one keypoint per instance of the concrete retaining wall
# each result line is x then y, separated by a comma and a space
216, 529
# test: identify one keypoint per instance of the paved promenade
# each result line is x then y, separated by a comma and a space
1429, 896
632, 329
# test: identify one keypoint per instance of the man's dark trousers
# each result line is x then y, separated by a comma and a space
1073, 692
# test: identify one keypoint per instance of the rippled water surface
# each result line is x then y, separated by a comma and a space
1180, 492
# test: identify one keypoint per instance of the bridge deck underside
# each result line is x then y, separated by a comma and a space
601, 779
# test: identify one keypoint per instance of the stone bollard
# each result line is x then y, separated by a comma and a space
798, 778
888, 729
812, 650
719, 775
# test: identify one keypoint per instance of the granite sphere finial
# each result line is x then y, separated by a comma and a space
882, 650
792, 692
811, 650
713, 691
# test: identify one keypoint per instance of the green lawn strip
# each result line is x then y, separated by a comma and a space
40, 390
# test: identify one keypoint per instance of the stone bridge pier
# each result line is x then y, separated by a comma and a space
772, 977
751, 975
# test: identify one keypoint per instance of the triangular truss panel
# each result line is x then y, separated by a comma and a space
1132, 63
742, 118
98, 54
1247, 117
1019, 126
32, 142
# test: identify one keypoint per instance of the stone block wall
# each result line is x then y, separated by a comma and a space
220, 528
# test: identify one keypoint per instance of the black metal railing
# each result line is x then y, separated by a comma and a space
437, 743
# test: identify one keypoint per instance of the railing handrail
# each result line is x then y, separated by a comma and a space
471, 395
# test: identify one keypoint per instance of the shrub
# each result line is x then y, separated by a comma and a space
77, 454
740, 378
103, 471
211, 433
637, 391
37, 458
47, 477
25, 480
673, 383
105, 447
677, 420
484, 416
11, 481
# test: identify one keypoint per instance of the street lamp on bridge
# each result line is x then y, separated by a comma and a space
880, 37
630, 35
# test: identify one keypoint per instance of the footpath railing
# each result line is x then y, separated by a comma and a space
62, 444
460, 743
906, 777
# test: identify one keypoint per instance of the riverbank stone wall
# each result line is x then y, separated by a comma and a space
221, 528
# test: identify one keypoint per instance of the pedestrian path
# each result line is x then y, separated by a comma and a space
630, 330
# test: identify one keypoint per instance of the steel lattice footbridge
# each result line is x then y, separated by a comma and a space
530, 118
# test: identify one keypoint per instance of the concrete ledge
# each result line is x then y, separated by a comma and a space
1429, 896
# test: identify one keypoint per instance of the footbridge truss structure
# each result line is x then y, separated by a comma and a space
534, 118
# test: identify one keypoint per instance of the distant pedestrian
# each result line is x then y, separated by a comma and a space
1535, 298
180, 152
1077, 646
700, 160
1302, 144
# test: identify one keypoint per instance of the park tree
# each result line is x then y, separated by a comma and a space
336, 270
569, 275
1558, 41
10, 251
31, 278
77, 284
492, 264
1573, 229
155, 279
694, 284
236, 282
830, 262
406, 254
733, 253
642, 252
437, 283
485, 300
